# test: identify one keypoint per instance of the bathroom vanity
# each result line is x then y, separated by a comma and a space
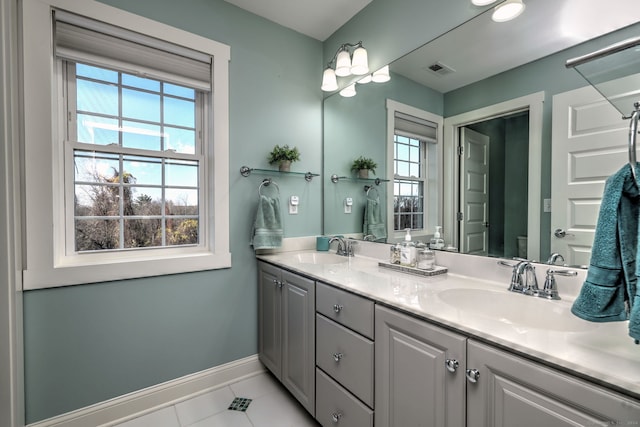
369, 346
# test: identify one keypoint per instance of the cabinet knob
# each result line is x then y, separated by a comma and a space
451, 364
337, 356
335, 417
278, 283
337, 308
473, 375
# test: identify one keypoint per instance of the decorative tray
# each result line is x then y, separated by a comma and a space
412, 270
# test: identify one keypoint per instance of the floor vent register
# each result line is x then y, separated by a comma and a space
239, 404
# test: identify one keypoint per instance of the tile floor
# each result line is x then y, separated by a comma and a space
271, 406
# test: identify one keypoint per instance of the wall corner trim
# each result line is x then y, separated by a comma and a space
135, 404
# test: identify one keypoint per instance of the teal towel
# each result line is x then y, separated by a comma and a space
267, 229
609, 292
373, 224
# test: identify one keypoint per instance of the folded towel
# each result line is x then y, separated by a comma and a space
373, 224
267, 229
609, 292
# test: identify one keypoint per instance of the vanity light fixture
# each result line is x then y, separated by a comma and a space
349, 59
382, 75
349, 91
482, 2
507, 10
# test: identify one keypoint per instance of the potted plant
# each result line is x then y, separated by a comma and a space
284, 156
363, 165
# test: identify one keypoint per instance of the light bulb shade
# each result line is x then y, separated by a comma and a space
329, 80
482, 2
382, 75
507, 11
343, 63
360, 62
349, 91
366, 79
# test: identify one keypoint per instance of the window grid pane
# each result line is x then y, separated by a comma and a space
408, 188
123, 200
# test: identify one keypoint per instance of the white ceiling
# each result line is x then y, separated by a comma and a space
481, 48
315, 18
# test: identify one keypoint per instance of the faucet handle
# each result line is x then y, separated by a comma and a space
550, 289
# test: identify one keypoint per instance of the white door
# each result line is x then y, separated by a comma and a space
589, 144
474, 193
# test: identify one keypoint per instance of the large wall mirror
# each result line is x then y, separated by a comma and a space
481, 79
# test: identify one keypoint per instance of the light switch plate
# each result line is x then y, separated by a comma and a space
348, 204
547, 205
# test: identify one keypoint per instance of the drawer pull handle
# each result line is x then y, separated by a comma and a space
337, 308
337, 357
335, 417
451, 364
473, 375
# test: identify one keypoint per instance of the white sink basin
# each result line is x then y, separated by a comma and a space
517, 310
319, 258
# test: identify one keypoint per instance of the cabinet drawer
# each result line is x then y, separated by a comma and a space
348, 309
333, 403
345, 356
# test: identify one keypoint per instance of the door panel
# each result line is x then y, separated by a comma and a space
514, 392
269, 308
589, 144
474, 196
412, 384
298, 338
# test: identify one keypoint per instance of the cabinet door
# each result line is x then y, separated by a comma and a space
513, 391
298, 338
413, 385
269, 312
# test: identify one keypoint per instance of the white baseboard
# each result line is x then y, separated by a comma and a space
123, 408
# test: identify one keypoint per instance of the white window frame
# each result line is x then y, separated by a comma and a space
47, 264
422, 179
433, 212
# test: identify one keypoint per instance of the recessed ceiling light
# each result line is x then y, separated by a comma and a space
507, 10
482, 2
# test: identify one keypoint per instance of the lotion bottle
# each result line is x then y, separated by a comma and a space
408, 251
437, 242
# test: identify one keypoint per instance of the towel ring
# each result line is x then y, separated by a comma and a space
368, 188
267, 182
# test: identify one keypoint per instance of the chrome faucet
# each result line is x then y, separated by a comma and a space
554, 257
345, 247
523, 279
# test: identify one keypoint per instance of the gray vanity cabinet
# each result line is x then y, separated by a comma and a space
344, 358
286, 314
419, 372
513, 391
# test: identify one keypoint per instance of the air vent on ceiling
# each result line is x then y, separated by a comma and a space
440, 69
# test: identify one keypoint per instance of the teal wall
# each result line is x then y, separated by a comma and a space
86, 344
355, 127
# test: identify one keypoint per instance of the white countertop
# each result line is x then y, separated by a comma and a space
542, 329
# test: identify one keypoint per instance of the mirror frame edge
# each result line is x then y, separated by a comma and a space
534, 103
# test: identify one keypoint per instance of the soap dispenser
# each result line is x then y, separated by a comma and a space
437, 242
408, 251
